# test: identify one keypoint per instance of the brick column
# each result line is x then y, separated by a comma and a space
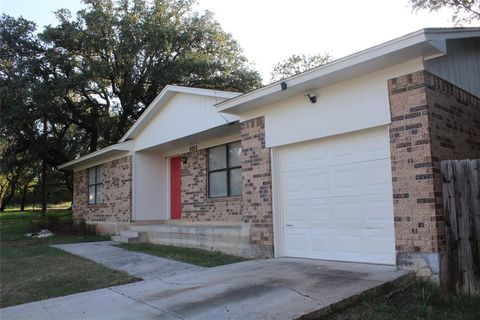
257, 186
432, 120
415, 214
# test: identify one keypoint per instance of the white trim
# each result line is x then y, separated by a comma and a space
433, 38
100, 161
163, 96
134, 197
102, 154
277, 216
168, 188
204, 145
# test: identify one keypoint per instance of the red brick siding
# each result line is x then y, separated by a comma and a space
431, 121
257, 183
117, 193
196, 205
454, 117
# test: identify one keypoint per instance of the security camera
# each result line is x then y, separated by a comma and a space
312, 96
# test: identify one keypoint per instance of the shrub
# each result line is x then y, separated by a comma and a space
48, 221
55, 224
85, 229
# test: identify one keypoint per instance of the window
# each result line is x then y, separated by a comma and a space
225, 170
95, 185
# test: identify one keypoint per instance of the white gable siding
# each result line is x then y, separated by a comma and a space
461, 65
183, 115
346, 106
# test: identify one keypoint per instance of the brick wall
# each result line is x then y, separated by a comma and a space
117, 193
257, 185
196, 206
432, 120
454, 117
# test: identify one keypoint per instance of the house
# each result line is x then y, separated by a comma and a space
340, 162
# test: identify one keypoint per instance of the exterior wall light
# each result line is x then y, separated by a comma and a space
312, 96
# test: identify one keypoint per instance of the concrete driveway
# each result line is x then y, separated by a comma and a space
283, 288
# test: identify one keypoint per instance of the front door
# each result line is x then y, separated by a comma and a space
175, 188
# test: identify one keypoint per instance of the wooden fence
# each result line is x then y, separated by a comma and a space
461, 199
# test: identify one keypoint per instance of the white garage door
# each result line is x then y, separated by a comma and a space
335, 197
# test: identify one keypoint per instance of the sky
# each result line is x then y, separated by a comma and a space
270, 31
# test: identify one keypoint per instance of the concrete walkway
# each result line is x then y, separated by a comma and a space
137, 264
282, 288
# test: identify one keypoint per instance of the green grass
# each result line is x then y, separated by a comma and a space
198, 257
38, 206
422, 300
31, 270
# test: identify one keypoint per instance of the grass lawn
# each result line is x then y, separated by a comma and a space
422, 300
203, 258
31, 270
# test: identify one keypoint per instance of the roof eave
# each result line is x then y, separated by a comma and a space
116, 149
434, 39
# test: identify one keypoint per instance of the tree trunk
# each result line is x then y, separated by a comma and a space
94, 130
24, 197
44, 169
10, 193
69, 180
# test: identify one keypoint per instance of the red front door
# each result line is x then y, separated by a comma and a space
175, 188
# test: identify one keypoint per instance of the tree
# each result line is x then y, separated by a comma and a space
464, 11
116, 56
79, 85
298, 63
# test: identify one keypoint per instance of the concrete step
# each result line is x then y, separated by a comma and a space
231, 239
129, 233
185, 229
124, 239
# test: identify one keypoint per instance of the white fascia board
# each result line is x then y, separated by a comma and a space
163, 96
118, 148
434, 38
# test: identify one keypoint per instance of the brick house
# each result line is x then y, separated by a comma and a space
340, 162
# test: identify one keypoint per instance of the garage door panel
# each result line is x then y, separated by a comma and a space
376, 213
377, 175
320, 212
318, 183
297, 240
343, 149
336, 198
345, 181
296, 212
342, 180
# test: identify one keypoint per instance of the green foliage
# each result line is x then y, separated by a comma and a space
114, 58
463, 11
78, 85
198, 257
298, 63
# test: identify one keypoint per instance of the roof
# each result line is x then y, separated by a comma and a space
427, 43
163, 96
115, 149
124, 144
